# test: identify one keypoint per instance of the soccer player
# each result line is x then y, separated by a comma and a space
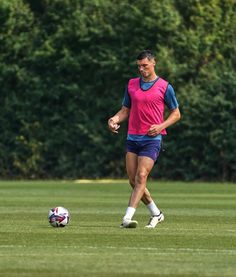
143, 105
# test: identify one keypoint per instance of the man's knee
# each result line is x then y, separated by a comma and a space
141, 177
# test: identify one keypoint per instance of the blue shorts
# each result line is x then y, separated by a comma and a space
147, 148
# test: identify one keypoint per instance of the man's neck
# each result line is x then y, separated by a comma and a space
150, 78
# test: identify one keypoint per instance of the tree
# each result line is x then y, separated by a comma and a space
64, 66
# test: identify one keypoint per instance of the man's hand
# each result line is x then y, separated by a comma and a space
155, 130
113, 126
173, 117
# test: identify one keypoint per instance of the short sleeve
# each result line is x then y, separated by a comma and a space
170, 98
126, 100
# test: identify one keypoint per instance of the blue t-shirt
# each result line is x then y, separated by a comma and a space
170, 101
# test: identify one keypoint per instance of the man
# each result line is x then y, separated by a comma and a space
143, 105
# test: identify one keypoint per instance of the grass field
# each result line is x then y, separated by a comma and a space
197, 238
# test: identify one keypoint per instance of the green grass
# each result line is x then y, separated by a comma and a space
197, 238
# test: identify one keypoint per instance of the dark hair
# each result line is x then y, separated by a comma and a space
146, 54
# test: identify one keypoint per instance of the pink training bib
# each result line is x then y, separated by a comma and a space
147, 107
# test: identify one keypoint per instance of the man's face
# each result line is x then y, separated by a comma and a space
146, 67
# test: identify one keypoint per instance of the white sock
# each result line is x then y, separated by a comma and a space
129, 213
153, 208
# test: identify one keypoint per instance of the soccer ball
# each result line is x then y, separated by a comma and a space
59, 217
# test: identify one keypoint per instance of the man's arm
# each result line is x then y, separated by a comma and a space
120, 116
173, 117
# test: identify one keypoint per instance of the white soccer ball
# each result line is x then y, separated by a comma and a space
59, 217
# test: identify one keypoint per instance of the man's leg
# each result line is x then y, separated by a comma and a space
131, 167
132, 162
144, 167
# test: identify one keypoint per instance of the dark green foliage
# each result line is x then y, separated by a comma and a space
63, 68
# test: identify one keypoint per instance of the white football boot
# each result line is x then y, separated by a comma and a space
154, 220
129, 223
